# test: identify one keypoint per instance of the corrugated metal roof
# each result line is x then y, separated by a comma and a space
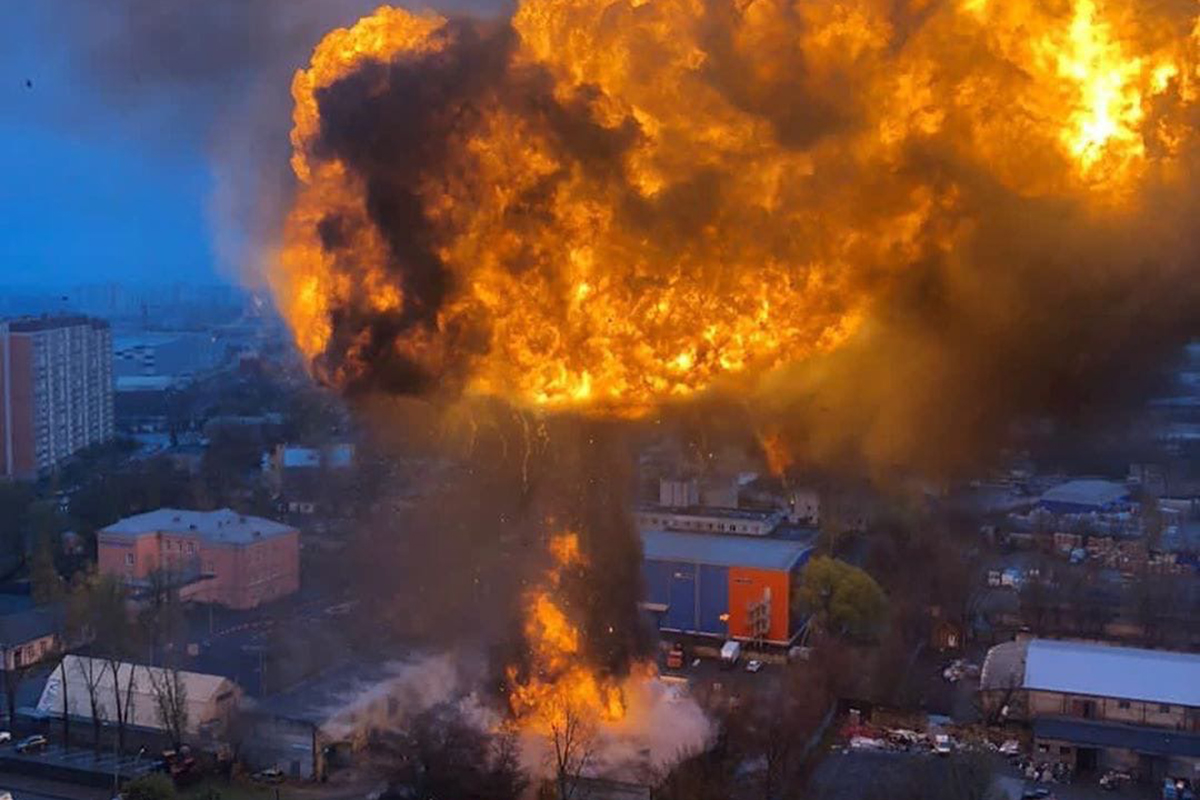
1087, 493
1104, 670
727, 551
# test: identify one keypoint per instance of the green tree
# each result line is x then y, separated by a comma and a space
843, 599
155, 786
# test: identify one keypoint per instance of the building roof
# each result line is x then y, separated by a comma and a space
1086, 493
24, 626
714, 512
145, 383
350, 695
1140, 739
48, 323
337, 455
223, 525
200, 690
725, 551
1105, 670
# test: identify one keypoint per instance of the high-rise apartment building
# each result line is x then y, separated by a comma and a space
56, 391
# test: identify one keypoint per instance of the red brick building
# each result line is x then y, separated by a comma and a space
215, 556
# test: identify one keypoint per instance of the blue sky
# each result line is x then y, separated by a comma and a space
92, 190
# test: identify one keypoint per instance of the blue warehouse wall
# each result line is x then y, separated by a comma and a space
714, 600
696, 596
656, 577
681, 599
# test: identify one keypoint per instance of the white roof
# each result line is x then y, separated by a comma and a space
1105, 670
223, 525
201, 691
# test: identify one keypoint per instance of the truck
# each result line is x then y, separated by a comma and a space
731, 651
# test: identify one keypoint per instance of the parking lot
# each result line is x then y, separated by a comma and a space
76, 763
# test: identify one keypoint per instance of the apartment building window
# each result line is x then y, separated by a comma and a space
1123, 705
191, 547
1164, 708
129, 559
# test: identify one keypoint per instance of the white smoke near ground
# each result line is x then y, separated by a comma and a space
663, 723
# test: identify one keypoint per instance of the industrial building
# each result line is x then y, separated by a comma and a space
1099, 706
221, 557
724, 586
742, 521
56, 391
1086, 497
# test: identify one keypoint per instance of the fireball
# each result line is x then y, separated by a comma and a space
608, 205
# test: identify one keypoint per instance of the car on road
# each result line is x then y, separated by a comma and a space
5, 794
5, 736
32, 744
1037, 793
273, 775
753, 665
942, 745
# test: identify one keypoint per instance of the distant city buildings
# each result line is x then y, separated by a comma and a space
219, 557
176, 357
56, 391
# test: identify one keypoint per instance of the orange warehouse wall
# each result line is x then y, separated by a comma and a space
746, 586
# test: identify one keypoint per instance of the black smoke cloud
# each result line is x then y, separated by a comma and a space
1050, 308
425, 108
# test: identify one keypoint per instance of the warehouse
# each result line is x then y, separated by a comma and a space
1086, 497
1099, 706
723, 586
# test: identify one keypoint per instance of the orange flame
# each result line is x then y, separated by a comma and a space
559, 681
776, 451
595, 303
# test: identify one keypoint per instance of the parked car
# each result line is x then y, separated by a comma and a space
5, 736
32, 743
272, 775
5, 795
942, 745
753, 665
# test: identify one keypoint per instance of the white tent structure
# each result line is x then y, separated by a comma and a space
210, 700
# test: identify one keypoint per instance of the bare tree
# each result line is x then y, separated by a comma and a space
91, 670
170, 699
572, 734
123, 695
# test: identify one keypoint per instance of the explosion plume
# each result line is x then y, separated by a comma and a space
604, 205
